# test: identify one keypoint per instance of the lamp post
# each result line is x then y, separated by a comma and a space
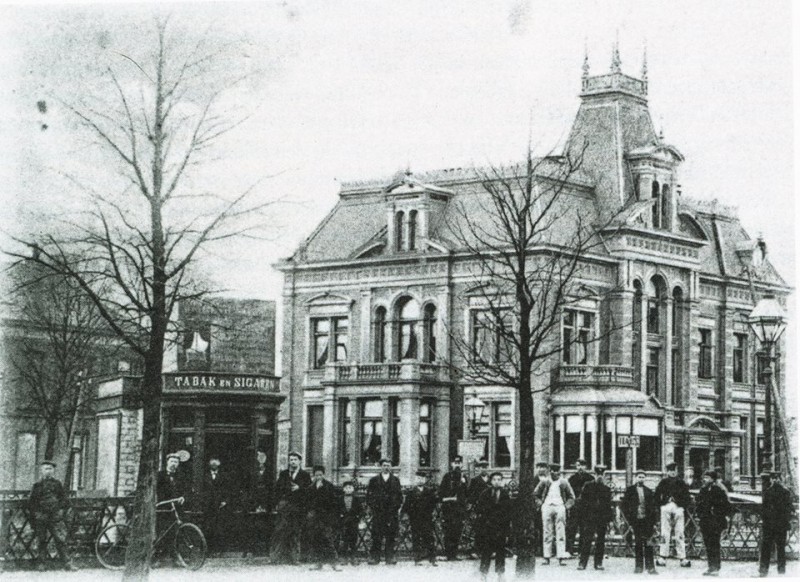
768, 321
474, 407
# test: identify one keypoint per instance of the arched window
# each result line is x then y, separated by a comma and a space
656, 205
429, 331
655, 303
677, 311
407, 320
399, 235
380, 337
665, 206
412, 230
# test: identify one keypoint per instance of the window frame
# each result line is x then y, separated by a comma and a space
489, 419
705, 364
740, 358
333, 336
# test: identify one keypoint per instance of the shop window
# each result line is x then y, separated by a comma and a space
495, 428
487, 335
25, 465
371, 431
380, 327
653, 356
623, 427
394, 405
591, 428
327, 331
557, 437
577, 331
347, 432
607, 442
706, 368
429, 332
648, 456
739, 356
425, 411
572, 440
408, 318
315, 435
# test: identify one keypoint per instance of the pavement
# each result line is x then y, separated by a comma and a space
237, 569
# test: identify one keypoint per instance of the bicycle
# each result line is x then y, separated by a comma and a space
190, 543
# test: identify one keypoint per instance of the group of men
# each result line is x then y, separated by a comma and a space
311, 514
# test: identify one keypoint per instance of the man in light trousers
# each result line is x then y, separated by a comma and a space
555, 497
672, 496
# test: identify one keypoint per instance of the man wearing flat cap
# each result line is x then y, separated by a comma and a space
672, 499
712, 509
639, 508
47, 505
290, 494
453, 495
555, 497
419, 504
594, 511
577, 480
384, 498
776, 514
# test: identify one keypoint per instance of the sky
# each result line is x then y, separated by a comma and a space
357, 90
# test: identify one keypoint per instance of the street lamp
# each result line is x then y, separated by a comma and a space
768, 321
474, 407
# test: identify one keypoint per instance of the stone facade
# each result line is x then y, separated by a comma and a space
381, 300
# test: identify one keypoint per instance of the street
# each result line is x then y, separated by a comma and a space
234, 570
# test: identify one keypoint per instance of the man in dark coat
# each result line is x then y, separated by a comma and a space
290, 494
352, 511
672, 499
594, 509
722, 481
776, 513
577, 480
542, 472
477, 486
492, 526
453, 495
170, 482
48, 505
384, 498
419, 504
324, 506
214, 500
261, 497
259, 503
639, 508
712, 509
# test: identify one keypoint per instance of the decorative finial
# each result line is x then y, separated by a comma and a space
585, 59
644, 62
616, 62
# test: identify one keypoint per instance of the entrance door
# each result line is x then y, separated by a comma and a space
698, 459
235, 453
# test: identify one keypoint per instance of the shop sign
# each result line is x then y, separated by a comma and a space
628, 441
206, 381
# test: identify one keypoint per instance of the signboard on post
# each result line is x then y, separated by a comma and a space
629, 441
471, 450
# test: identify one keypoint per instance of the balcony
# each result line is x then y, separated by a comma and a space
593, 376
399, 372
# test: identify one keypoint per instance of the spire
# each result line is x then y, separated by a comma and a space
585, 59
616, 62
644, 67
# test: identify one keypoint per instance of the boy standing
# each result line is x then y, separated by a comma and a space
352, 510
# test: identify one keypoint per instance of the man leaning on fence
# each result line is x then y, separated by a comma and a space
672, 497
776, 513
48, 505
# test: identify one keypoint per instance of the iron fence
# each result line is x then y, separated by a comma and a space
87, 517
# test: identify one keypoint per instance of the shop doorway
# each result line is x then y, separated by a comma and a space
699, 460
235, 453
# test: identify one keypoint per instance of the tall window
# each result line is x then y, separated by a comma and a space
399, 234
371, 431
425, 412
487, 334
665, 206
380, 328
347, 431
762, 363
739, 356
429, 331
648, 456
572, 440
677, 311
412, 230
577, 328
744, 458
653, 315
653, 356
394, 405
408, 317
78, 456
324, 332
706, 368
315, 435
495, 428
677, 383
656, 213
760, 442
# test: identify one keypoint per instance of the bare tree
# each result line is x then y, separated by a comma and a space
528, 235
58, 346
148, 219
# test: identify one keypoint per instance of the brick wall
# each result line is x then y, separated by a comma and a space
130, 448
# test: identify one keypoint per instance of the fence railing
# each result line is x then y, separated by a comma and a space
247, 531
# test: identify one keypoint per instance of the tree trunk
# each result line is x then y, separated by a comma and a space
50, 443
526, 510
143, 527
